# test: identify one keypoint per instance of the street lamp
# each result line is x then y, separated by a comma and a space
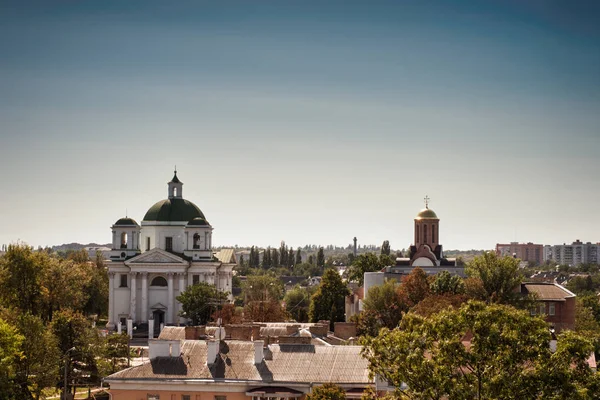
67, 359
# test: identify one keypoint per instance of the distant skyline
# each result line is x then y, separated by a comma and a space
304, 121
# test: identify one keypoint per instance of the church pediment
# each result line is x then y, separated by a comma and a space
158, 306
156, 256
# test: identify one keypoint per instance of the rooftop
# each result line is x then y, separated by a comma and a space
547, 291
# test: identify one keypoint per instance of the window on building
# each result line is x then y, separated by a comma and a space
195, 279
159, 281
123, 280
147, 243
543, 309
124, 240
433, 233
196, 241
153, 396
551, 310
424, 233
532, 311
220, 397
169, 243
186, 397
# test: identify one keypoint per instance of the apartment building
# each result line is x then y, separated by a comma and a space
527, 252
573, 254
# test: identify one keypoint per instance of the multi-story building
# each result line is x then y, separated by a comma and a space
554, 302
573, 254
527, 252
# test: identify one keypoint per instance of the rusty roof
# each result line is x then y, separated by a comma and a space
546, 291
285, 363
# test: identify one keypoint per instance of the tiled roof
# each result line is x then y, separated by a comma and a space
546, 291
287, 363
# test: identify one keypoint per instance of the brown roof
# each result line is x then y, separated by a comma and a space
172, 333
289, 363
547, 291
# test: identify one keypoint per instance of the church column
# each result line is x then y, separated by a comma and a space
144, 317
111, 301
170, 298
132, 296
181, 289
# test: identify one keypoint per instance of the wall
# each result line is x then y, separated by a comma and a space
119, 394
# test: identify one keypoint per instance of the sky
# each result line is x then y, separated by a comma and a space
305, 121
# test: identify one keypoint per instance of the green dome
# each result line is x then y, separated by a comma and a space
126, 221
198, 221
174, 209
426, 213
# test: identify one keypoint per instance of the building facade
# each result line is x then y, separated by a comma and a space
554, 302
573, 254
528, 252
152, 263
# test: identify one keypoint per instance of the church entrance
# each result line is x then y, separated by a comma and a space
159, 318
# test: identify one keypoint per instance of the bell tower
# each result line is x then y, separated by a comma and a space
427, 226
175, 187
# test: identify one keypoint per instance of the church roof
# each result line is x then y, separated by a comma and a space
174, 209
427, 213
175, 179
126, 221
198, 221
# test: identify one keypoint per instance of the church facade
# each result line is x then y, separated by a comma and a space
152, 263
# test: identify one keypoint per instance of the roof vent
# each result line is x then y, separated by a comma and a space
212, 351
258, 351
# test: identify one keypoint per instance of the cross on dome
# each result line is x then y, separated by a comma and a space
426, 199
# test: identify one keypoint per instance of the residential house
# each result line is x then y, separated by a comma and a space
553, 301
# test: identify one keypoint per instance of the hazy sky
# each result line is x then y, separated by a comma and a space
311, 122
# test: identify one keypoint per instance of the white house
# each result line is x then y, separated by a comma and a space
151, 264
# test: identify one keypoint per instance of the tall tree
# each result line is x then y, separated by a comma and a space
298, 256
321, 258
275, 257
386, 304
291, 257
415, 286
262, 295
297, 302
385, 248
446, 283
283, 255
199, 301
328, 302
499, 276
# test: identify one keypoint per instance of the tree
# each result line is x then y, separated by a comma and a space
114, 353
21, 276
10, 351
262, 295
198, 302
367, 262
499, 276
291, 257
321, 258
385, 248
446, 283
328, 302
311, 259
415, 286
65, 283
507, 356
298, 256
386, 304
297, 303
328, 391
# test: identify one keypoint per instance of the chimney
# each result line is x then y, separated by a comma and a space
212, 350
258, 351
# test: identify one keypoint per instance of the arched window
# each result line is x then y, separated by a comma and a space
174, 192
418, 235
433, 233
196, 241
424, 233
124, 240
159, 281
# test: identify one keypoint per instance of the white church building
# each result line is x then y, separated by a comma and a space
151, 264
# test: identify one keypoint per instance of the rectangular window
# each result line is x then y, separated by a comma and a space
532, 311
195, 279
153, 396
220, 397
123, 280
543, 309
147, 243
551, 309
186, 397
169, 243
